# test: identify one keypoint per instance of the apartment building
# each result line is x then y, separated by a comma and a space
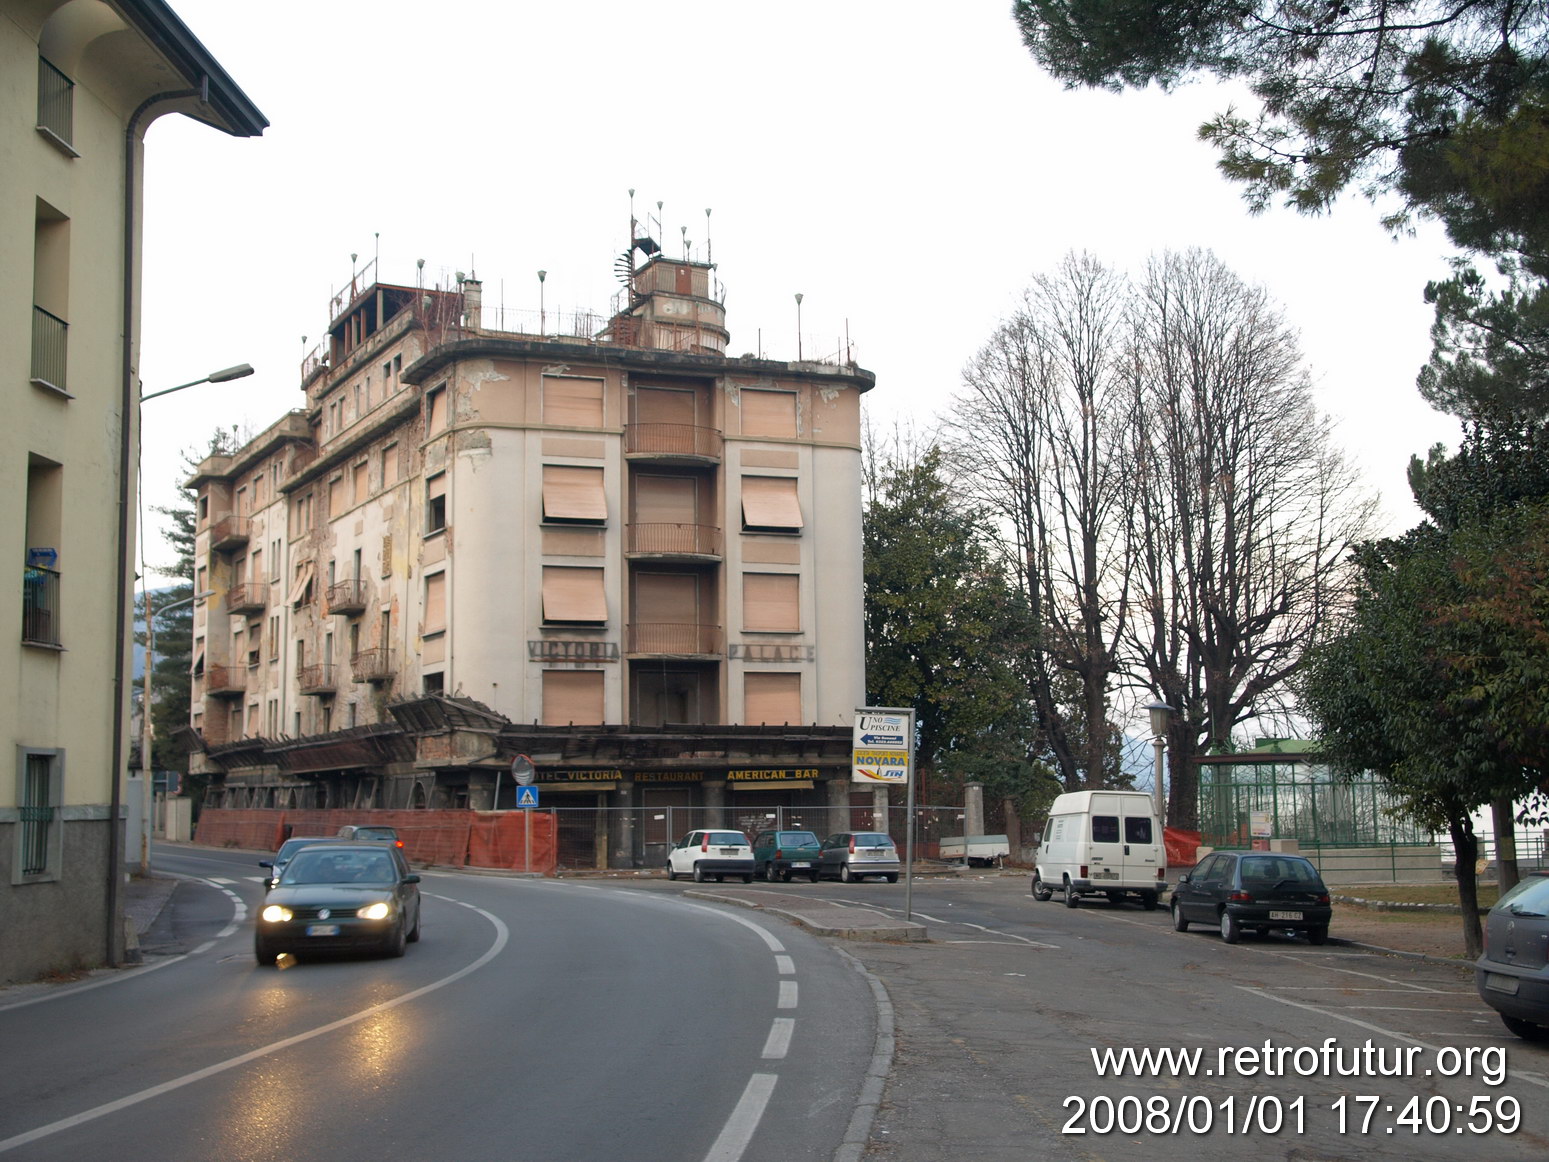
81, 82
617, 550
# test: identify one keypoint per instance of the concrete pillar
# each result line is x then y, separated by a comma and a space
715, 803
838, 806
621, 829
881, 796
973, 808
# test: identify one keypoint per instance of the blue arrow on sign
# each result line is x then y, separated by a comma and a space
882, 739
527, 796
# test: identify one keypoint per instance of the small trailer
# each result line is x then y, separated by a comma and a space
975, 850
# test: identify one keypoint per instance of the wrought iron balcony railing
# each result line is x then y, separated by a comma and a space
249, 597
347, 598
49, 347
375, 665
40, 606
316, 679
674, 640
672, 442
665, 539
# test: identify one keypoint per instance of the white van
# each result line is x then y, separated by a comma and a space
1102, 843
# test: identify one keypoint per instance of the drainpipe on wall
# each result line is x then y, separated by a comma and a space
129, 431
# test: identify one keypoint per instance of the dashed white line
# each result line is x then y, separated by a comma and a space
779, 1042
739, 1128
785, 965
787, 995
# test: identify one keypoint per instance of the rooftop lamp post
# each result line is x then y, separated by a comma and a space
798, 326
542, 310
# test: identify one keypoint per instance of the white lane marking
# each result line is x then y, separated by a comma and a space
502, 935
221, 880
785, 965
1265, 994
1400, 1009
779, 1042
253, 879
979, 928
771, 941
1348, 988
739, 1128
787, 995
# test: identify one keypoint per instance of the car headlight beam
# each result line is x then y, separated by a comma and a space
377, 911
275, 914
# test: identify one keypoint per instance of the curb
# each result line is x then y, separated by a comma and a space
857, 1135
911, 933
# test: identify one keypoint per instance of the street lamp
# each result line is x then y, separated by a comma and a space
147, 731
1160, 712
798, 326
238, 372
542, 313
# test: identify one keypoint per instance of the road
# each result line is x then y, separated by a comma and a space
536, 1020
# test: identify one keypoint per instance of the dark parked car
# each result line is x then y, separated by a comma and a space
1513, 974
777, 855
282, 857
341, 895
854, 855
1253, 891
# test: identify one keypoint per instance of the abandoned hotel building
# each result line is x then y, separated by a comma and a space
617, 550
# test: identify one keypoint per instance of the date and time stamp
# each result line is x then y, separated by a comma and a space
1348, 1112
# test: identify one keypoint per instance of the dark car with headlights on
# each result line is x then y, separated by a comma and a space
1261, 892
337, 897
1513, 974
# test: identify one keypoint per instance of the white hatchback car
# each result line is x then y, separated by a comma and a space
711, 853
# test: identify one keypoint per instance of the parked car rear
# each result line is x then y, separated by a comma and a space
854, 855
1261, 892
711, 853
777, 855
1513, 974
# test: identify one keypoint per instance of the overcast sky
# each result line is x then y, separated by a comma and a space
906, 167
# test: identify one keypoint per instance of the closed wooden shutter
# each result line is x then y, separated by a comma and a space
660, 405
769, 502
437, 419
768, 413
667, 598
435, 602
360, 482
572, 401
770, 603
666, 500
574, 595
771, 699
572, 696
574, 494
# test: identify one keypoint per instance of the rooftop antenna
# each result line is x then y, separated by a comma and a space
419, 273
709, 252
376, 258
684, 230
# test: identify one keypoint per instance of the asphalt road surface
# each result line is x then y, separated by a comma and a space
536, 1019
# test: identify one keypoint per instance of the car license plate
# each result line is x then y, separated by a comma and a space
322, 929
1285, 915
1501, 984
803, 863
728, 851
1106, 873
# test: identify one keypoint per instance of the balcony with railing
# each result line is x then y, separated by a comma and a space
669, 539
225, 681
56, 107
683, 443
230, 532
375, 665
248, 598
40, 606
676, 640
347, 598
316, 679
49, 346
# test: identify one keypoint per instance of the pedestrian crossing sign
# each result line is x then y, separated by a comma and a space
527, 796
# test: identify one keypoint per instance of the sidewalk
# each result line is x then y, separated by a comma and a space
144, 899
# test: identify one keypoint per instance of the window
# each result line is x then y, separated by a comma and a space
41, 622
772, 699
360, 482
435, 503
389, 472
50, 298
39, 795
56, 107
435, 603
433, 683
769, 504
768, 413
1137, 829
1105, 829
572, 696
574, 596
274, 641
435, 410
574, 495
572, 401
336, 503
770, 603
204, 510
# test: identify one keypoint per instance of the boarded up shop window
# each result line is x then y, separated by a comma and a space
770, 603
769, 504
574, 495
771, 699
572, 696
768, 413
573, 596
572, 401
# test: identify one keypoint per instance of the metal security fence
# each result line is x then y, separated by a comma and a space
1304, 801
